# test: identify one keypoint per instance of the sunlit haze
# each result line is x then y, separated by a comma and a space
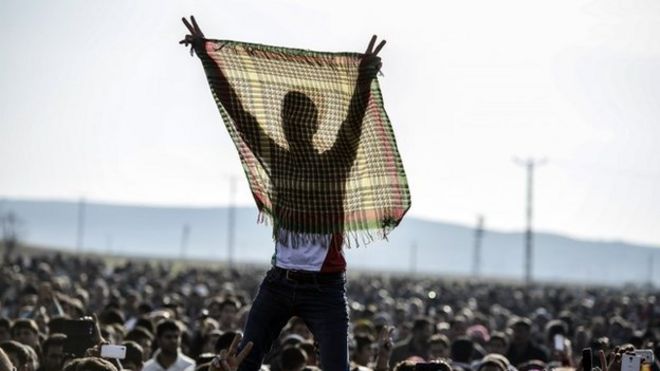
100, 101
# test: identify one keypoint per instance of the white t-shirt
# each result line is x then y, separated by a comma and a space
322, 253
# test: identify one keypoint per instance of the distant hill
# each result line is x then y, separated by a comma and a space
442, 248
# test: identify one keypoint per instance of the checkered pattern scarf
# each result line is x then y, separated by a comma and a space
314, 140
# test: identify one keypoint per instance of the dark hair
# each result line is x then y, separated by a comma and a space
499, 336
134, 352
521, 321
167, 325
362, 341
145, 323
461, 350
5, 322
443, 365
18, 349
24, 323
111, 316
29, 289
89, 364
532, 365
138, 333
420, 323
144, 308
292, 358
229, 301
53, 340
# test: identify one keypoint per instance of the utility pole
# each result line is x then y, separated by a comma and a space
231, 221
185, 235
81, 225
478, 236
10, 223
529, 165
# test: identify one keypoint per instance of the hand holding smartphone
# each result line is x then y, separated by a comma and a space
113, 351
587, 359
559, 342
80, 335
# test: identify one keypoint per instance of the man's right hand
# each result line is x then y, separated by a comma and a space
385, 345
195, 36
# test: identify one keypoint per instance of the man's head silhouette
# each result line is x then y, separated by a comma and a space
299, 121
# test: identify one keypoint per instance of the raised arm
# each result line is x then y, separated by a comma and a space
351, 129
246, 124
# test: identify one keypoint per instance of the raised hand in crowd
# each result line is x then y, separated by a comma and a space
229, 359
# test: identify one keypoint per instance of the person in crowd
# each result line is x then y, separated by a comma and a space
438, 347
142, 337
89, 364
462, 352
503, 305
168, 356
363, 353
493, 362
417, 344
53, 356
498, 343
18, 354
522, 349
26, 331
134, 356
225, 311
5, 327
293, 358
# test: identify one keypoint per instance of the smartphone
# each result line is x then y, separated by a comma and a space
645, 354
113, 351
587, 360
559, 342
80, 335
631, 362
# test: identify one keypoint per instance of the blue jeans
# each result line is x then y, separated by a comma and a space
321, 304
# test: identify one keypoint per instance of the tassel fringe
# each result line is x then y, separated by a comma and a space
351, 239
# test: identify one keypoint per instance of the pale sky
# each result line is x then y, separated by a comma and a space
99, 101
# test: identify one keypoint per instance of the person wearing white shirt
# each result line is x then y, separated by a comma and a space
168, 357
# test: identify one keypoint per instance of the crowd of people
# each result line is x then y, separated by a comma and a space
177, 317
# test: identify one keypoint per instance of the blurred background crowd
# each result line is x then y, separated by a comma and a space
177, 317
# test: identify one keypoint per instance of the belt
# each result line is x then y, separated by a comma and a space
308, 276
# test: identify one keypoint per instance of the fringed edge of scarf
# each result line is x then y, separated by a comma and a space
351, 238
